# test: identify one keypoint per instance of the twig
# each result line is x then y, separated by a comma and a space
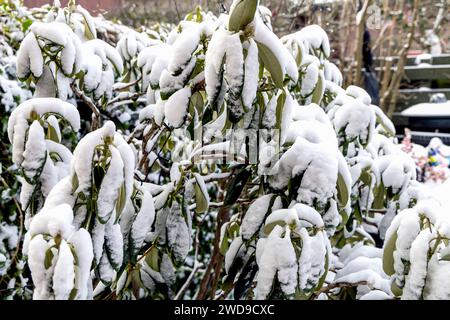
176, 9
124, 97
126, 86
80, 94
338, 285
395, 82
210, 276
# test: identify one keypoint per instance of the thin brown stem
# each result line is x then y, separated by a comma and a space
96, 119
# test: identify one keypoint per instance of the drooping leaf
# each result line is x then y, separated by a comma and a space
153, 259
52, 135
279, 110
236, 186
272, 64
343, 192
242, 14
388, 254
121, 201
380, 195
201, 194
318, 91
48, 258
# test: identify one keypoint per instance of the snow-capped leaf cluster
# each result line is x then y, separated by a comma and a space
416, 252
59, 256
34, 130
213, 148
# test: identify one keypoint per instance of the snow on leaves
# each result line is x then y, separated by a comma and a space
128, 203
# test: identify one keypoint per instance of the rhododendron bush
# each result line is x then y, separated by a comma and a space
206, 160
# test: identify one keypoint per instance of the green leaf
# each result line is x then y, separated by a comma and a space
236, 186
48, 258
87, 31
243, 13
365, 177
269, 227
26, 25
272, 64
384, 121
300, 54
445, 257
343, 192
216, 99
121, 201
380, 194
396, 290
322, 279
73, 294
318, 91
388, 254
245, 279
52, 135
197, 102
153, 259
279, 110
201, 194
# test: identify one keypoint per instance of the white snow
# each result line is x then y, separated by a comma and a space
178, 233
29, 58
415, 279
233, 252
254, 216
54, 221
82, 243
176, 107
64, 273
266, 37
42, 106
276, 257
143, 222
110, 186
251, 71
114, 243
441, 109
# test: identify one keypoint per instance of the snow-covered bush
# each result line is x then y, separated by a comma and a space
244, 171
59, 257
416, 252
14, 279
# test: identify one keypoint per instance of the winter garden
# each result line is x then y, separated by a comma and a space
207, 159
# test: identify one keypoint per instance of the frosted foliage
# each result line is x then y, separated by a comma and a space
64, 274
276, 258
59, 257
35, 59
154, 196
176, 107
143, 221
312, 259
110, 187
32, 147
254, 217
420, 254
178, 233
317, 165
266, 37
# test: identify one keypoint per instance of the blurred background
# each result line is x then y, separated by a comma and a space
399, 51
